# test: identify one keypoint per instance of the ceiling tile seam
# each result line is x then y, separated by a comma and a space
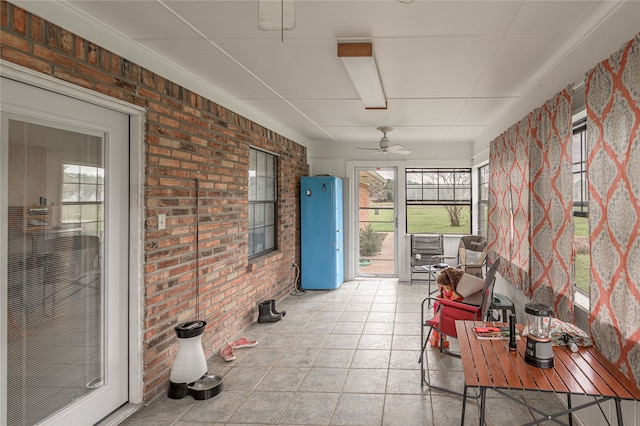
488, 62
496, 49
224, 52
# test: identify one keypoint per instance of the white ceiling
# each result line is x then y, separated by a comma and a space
449, 69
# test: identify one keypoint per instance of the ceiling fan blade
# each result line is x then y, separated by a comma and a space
368, 149
400, 151
378, 152
396, 147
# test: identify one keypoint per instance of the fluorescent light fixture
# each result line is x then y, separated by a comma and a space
276, 15
358, 59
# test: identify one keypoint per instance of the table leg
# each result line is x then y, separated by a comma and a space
619, 412
569, 407
483, 393
464, 404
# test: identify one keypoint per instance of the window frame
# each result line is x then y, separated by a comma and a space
268, 181
580, 207
450, 192
580, 127
483, 203
99, 221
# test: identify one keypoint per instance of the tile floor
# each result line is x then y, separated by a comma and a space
343, 357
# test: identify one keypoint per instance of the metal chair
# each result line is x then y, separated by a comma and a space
427, 253
472, 254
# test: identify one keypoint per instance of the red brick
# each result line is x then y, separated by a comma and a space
71, 78
4, 14
19, 21
66, 42
52, 56
17, 42
36, 25
25, 60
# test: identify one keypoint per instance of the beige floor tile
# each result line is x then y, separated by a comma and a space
342, 357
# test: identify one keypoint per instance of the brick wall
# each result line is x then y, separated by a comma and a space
187, 138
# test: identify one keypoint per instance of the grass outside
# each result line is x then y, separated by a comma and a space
581, 226
581, 229
420, 219
582, 272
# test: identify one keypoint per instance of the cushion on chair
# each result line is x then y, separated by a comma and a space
473, 257
450, 312
469, 285
475, 299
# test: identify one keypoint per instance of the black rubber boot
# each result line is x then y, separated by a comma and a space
273, 308
265, 314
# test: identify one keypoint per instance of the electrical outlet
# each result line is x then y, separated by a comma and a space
162, 221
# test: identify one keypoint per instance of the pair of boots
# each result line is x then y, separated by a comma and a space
267, 312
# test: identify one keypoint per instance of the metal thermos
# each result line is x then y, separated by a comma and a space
512, 332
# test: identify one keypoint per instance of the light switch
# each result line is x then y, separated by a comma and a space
162, 221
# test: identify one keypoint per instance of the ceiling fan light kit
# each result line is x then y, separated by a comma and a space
361, 66
385, 146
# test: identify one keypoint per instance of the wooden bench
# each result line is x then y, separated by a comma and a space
488, 364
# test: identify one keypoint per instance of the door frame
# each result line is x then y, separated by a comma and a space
136, 208
352, 255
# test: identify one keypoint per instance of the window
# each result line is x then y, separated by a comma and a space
580, 205
483, 199
438, 201
579, 148
83, 197
262, 202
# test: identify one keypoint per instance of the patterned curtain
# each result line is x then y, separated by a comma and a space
552, 206
508, 234
530, 204
613, 169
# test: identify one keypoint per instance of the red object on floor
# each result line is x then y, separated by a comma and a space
243, 342
435, 340
227, 353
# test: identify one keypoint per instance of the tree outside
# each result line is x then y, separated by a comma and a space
431, 192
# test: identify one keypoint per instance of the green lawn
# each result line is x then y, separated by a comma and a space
582, 259
420, 219
581, 226
582, 271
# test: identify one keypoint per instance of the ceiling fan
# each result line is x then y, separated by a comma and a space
385, 144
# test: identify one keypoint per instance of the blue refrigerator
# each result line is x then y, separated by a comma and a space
321, 240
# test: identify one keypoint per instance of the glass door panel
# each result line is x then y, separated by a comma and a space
55, 351
63, 225
377, 222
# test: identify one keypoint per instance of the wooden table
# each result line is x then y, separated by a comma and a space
488, 364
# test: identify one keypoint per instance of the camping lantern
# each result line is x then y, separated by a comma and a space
539, 352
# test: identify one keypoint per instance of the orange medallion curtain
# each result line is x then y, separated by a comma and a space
551, 205
530, 204
508, 233
613, 169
